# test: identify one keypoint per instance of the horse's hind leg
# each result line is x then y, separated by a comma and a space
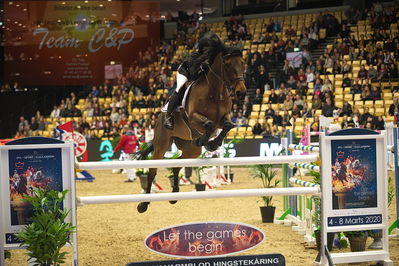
160, 147
175, 186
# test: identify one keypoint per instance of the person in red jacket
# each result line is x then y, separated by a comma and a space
129, 144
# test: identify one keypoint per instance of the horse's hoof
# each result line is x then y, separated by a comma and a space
142, 207
212, 146
175, 189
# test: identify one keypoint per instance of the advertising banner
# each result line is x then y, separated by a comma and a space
76, 42
254, 260
102, 150
30, 169
207, 239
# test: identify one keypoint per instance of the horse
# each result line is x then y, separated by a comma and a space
206, 110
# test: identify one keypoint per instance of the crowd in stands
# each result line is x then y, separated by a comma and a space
287, 88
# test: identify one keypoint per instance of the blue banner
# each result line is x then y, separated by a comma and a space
253, 260
355, 220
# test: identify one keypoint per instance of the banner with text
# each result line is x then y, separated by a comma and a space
76, 42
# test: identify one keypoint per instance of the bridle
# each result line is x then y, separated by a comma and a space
228, 84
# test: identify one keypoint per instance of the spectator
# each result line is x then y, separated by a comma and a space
346, 82
365, 116
363, 74
328, 108
346, 109
258, 97
394, 107
257, 128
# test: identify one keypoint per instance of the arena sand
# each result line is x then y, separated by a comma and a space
113, 234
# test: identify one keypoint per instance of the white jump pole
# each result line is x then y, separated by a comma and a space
196, 162
199, 195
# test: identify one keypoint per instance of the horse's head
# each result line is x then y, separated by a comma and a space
234, 70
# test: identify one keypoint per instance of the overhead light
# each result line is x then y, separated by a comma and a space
17, 5
178, 0
86, 2
100, 5
78, 7
63, 3
10, 3
112, 62
25, 9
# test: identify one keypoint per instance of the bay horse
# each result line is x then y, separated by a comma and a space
206, 109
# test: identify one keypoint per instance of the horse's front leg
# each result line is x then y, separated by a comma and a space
217, 142
143, 206
203, 121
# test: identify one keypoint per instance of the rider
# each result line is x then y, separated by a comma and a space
208, 47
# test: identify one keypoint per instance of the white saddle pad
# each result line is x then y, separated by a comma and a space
183, 103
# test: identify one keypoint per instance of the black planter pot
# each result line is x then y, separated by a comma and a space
267, 213
330, 241
200, 187
143, 181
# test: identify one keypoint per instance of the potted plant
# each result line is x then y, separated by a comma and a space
228, 154
267, 175
357, 240
377, 234
48, 232
142, 173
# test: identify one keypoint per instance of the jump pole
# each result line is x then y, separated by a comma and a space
198, 195
195, 162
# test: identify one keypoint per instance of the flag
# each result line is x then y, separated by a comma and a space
68, 126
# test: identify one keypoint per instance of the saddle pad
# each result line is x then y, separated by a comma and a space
183, 103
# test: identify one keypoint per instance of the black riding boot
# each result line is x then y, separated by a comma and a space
173, 102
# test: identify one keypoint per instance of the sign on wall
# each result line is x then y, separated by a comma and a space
71, 42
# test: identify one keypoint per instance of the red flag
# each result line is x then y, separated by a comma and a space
68, 126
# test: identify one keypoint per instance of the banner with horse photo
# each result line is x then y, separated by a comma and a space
30, 169
76, 42
354, 174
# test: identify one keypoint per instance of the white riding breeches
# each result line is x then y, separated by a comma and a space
180, 80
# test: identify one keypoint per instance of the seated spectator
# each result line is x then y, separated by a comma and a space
346, 82
328, 108
245, 112
290, 32
346, 109
316, 102
291, 83
317, 85
257, 128
345, 32
95, 92
394, 107
56, 112
114, 115
378, 123
277, 120
366, 94
393, 71
269, 112
288, 104
372, 73
34, 125
365, 116
298, 101
306, 111
309, 75
356, 87
296, 111
273, 97
375, 93
286, 119
267, 130
382, 72
326, 84
363, 74
258, 98
281, 96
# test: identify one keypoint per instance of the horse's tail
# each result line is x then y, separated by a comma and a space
143, 153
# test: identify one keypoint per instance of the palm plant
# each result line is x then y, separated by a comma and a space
48, 232
267, 175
